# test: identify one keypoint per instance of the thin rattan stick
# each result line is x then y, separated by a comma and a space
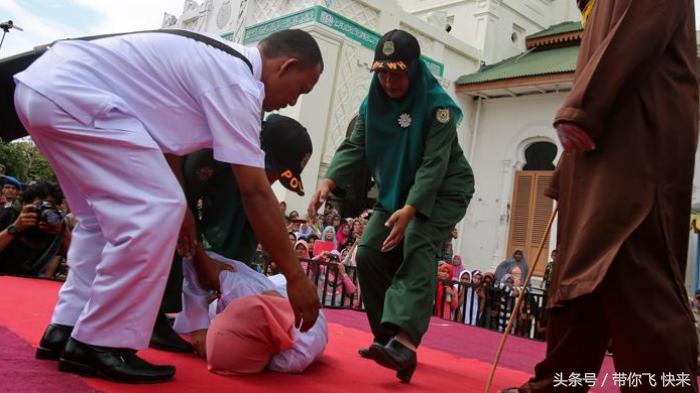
518, 304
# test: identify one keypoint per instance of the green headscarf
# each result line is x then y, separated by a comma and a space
396, 128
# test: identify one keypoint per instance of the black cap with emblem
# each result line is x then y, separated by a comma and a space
395, 51
288, 146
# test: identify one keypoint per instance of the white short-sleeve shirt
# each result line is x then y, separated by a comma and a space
187, 94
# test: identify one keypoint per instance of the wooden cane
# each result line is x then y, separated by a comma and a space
518, 304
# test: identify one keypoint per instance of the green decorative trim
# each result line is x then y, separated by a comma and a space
328, 18
257, 32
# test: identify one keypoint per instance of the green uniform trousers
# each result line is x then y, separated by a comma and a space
398, 287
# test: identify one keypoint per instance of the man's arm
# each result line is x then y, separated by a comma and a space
638, 38
262, 209
27, 218
343, 167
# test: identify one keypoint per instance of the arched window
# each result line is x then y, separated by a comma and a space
539, 156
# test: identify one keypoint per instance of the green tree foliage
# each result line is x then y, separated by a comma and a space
23, 160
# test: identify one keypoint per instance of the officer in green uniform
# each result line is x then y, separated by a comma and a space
407, 134
212, 194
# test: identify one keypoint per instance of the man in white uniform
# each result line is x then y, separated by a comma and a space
112, 116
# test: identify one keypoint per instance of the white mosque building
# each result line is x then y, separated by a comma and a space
508, 63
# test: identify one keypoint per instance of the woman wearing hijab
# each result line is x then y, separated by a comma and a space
506, 267
457, 265
446, 299
468, 307
406, 134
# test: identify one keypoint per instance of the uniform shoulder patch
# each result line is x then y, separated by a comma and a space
443, 115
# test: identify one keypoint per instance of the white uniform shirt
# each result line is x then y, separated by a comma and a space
187, 94
196, 314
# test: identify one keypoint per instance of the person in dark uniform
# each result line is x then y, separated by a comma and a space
214, 198
407, 135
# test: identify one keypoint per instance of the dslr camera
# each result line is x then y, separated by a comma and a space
332, 257
48, 213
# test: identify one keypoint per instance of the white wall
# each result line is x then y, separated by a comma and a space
489, 24
507, 127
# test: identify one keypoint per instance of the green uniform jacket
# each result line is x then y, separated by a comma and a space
444, 169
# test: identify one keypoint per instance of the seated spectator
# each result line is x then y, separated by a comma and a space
292, 238
29, 246
250, 327
10, 207
507, 266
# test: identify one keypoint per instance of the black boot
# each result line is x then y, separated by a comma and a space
116, 364
166, 339
52, 342
396, 356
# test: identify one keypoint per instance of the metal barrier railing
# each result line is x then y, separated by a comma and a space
484, 307
491, 308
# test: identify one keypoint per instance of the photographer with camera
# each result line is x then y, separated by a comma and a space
35, 238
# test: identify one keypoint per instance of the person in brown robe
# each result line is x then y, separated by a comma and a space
629, 130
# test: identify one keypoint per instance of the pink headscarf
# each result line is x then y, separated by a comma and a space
243, 338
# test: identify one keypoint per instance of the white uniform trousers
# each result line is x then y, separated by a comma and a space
129, 207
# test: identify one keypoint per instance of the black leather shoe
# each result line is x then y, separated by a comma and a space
166, 339
116, 364
52, 342
396, 356
366, 352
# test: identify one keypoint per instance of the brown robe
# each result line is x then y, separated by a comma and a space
636, 94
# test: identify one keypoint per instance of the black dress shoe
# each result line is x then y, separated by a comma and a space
116, 364
396, 356
166, 339
52, 342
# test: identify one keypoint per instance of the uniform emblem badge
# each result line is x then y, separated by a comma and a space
405, 120
388, 48
443, 115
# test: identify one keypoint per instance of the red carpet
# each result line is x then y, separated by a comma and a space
453, 357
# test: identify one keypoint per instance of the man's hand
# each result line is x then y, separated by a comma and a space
199, 342
208, 271
27, 218
573, 138
304, 301
398, 223
187, 241
319, 197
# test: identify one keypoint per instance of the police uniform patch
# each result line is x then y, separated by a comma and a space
388, 48
443, 115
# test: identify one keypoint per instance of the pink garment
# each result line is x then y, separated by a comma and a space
243, 338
